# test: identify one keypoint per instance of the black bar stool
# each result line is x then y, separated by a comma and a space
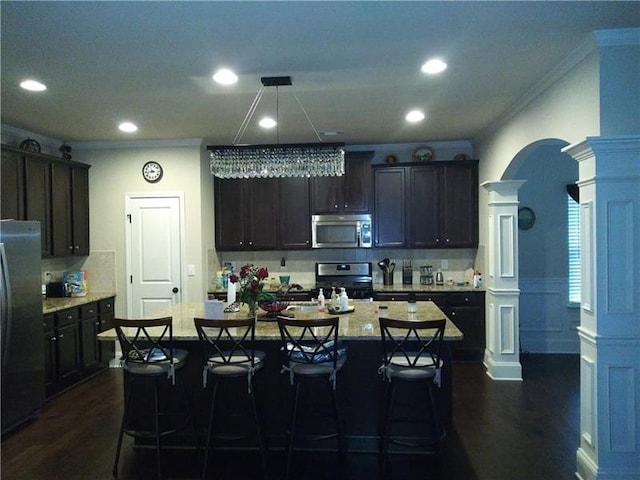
312, 353
230, 356
411, 354
148, 356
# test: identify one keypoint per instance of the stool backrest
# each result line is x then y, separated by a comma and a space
145, 341
412, 343
228, 341
310, 341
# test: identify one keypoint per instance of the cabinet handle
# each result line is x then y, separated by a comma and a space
70, 247
61, 335
69, 317
447, 240
453, 314
346, 205
97, 323
77, 247
335, 206
306, 242
53, 339
241, 243
437, 240
251, 244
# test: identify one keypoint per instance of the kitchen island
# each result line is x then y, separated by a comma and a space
359, 384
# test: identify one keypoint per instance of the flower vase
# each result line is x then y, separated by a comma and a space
253, 309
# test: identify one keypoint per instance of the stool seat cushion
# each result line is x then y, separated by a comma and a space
408, 367
319, 368
161, 365
235, 364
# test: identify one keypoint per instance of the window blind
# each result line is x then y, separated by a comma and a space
573, 235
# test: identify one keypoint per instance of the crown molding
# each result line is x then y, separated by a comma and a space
129, 144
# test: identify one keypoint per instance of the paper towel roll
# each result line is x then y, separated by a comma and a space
231, 293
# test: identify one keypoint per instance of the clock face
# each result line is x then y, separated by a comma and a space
152, 172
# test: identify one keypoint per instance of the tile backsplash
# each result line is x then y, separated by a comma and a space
300, 265
100, 266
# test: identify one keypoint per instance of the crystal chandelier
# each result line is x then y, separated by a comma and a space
279, 160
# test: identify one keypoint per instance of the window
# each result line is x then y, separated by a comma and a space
573, 235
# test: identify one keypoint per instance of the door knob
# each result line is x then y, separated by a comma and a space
175, 290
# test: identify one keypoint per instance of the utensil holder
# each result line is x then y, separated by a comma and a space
387, 278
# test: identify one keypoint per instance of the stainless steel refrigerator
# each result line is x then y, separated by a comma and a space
22, 343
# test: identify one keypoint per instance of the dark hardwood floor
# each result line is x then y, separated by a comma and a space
502, 431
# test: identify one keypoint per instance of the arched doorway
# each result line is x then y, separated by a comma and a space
548, 321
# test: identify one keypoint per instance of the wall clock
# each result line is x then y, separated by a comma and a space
526, 218
152, 172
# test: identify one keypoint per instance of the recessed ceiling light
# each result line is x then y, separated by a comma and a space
33, 86
414, 116
128, 127
267, 122
225, 76
434, 66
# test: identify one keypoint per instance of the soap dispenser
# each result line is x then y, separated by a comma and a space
344, 300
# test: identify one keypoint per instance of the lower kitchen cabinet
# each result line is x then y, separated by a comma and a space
465, 309
72, 350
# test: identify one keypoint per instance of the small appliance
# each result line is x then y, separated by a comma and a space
341, 231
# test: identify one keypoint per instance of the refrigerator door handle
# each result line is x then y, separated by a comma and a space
5, 304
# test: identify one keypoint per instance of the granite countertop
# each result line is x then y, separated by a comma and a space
399, 287
361, 324
51, 305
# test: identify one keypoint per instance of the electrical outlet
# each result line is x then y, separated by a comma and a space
445, 264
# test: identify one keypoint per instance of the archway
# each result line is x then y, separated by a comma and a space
547, 320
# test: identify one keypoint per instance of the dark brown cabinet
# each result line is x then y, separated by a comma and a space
64, 351
70, 210
50, 190
349, 193
12, 185
246, 214
426, 206
465, 309
72, 349
295, 225
390, 214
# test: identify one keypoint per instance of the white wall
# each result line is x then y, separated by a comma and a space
116, 171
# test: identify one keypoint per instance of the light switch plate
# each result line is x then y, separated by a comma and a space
191, 270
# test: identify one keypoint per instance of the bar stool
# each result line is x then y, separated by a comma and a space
148, 356
230, 356
411, 354
312, 353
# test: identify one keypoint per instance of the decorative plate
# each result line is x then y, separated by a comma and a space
461, 156
30, 145
423, 154
526, 218
391, 159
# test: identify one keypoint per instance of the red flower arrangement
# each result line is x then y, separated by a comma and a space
251, 286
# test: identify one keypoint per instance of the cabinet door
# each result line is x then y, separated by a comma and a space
459, 196
62, 243
295, 217
261, 214
424, 208
391, 296
105, 320
89, 329
326, 195
12, 185
38, 198
50, 360
389, 226
80, 210
356, 187
68, 353
467, 312
229, 214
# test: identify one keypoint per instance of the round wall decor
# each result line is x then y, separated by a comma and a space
152, 172
526, 218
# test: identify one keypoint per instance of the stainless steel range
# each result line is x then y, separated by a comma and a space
355, 277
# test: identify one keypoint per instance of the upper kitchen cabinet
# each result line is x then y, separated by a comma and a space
70, 209
246, 214
349, 193
50, 190
295, 225
431, 205
12, 185
390, 214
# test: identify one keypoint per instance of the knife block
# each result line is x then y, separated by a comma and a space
407, 276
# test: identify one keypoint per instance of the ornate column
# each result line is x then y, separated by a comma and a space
502, 352
609, 331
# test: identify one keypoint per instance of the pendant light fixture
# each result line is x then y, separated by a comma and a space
276, 160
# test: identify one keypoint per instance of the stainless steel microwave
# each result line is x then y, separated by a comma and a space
341, 231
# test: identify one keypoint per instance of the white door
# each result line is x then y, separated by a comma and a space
154, 253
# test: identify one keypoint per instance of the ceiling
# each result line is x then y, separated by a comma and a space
355, 66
